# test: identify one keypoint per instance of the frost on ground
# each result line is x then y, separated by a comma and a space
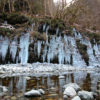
40, 68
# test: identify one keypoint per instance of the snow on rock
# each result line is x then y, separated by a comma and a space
33, 92
3, 90
27, 78
41, 91
85, 95
8, 26
70, 92
40, 68
61, 77
73, 85
76, 98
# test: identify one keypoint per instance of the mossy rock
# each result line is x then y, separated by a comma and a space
13, 18
9, 33
5, 31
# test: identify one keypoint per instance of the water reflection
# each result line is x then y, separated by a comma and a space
52, 85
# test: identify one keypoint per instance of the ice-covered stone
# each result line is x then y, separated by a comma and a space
85, 95
76, 98
61, 77
34, 93
74, 85
70, 92
3, 90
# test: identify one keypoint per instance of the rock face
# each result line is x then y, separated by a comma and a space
76, 98
69, 92
34, 93
73, 85
3, 90
85, 95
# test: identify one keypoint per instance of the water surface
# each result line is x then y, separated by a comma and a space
51, 84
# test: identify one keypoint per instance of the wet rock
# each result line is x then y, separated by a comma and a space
74, 85
34, 93
76, 98
3, 90
13, 98
85, 95
65, 97
69, 92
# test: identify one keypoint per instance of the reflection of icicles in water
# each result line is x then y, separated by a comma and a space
4, 42
11, 87
13, 49
61, 84
21, 84
79, 77
95, 77
48, 81
68, 78
24, 45
39, 48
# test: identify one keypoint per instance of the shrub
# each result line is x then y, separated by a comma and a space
13, 18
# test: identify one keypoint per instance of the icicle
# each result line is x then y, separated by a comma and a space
24, 45
39, 48
92, 59
61, 54
32, 26
44, 27
44, 53
4, 43
13, 49
57, 31
47, 29
97, 52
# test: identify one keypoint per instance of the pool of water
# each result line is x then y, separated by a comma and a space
51, 84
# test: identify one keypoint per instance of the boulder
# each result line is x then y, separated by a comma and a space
69, 92
76, 98
85, 95
65, 97
34, 93
3, 90
41, 91
74, 85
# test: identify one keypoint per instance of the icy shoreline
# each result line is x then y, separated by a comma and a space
40, 69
